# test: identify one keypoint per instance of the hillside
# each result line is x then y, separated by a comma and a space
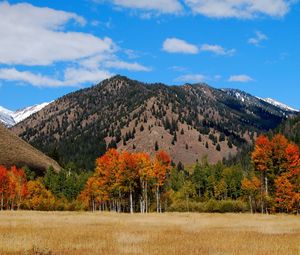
15, 151
187, 121
291, 129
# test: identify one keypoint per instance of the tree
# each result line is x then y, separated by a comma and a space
261, 158
278, 161
199, 179
188, 191
251, 188
161, 167
286, 197
38, 197
156, 147
128, 175
17, 187
145, 175
3, 184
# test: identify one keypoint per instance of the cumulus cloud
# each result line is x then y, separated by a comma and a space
160, 6
72, 77
33, 36
240, 78
245, 9
174, 45
191, 78
259, 37
217, 49
118, 64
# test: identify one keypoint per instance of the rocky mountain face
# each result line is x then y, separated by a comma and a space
188, 121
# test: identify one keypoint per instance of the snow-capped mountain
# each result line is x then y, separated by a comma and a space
10, 118
249, 99
279, 104
5, 117
22, 114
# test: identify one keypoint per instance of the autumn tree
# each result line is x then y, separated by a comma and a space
128, 175
251, 189
38, 197
3, 184
161, 167
261, 158
278, 162
145, 175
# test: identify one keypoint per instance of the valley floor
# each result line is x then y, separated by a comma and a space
49, 233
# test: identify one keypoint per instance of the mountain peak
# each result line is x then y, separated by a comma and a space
188, 121
10, 118
279, 104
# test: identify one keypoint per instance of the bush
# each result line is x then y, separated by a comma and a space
211, 206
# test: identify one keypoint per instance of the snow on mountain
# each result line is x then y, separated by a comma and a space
5, 117
10, 118
22, 114
279, 104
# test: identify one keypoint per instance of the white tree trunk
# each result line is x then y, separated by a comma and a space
157, 199
131, 202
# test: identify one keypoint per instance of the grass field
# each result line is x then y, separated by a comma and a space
48, 233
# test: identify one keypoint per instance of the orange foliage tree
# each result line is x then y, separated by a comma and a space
13, 187
251, 188
38, 197
278, 162
3, 184
122, 178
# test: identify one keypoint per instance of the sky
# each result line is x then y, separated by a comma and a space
52, 47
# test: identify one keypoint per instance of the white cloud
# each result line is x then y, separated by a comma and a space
77, 76
11, 74
72, 77
240, 78
239, 8
161, 6
34, 36
174, 45
259, 37
217, 49
191, 78
118, 64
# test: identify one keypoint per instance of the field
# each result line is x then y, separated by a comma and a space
48, 233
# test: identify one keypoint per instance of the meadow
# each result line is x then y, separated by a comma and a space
48, 233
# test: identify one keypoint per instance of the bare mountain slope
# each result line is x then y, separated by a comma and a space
15, 151
187, 121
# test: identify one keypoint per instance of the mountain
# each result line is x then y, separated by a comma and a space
15, 151
10, 118
5, 117
291, 129
280, 105
24, 113
188, 121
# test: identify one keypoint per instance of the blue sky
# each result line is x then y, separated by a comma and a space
50, 48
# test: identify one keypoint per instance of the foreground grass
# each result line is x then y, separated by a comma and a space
48, 233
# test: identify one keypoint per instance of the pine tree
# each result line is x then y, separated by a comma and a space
156, 147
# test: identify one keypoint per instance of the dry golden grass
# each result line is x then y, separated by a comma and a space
15, 151
82, 233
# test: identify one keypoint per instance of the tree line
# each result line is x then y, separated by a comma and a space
136, 182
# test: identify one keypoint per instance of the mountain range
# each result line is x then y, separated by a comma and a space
188, 121
10, 118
